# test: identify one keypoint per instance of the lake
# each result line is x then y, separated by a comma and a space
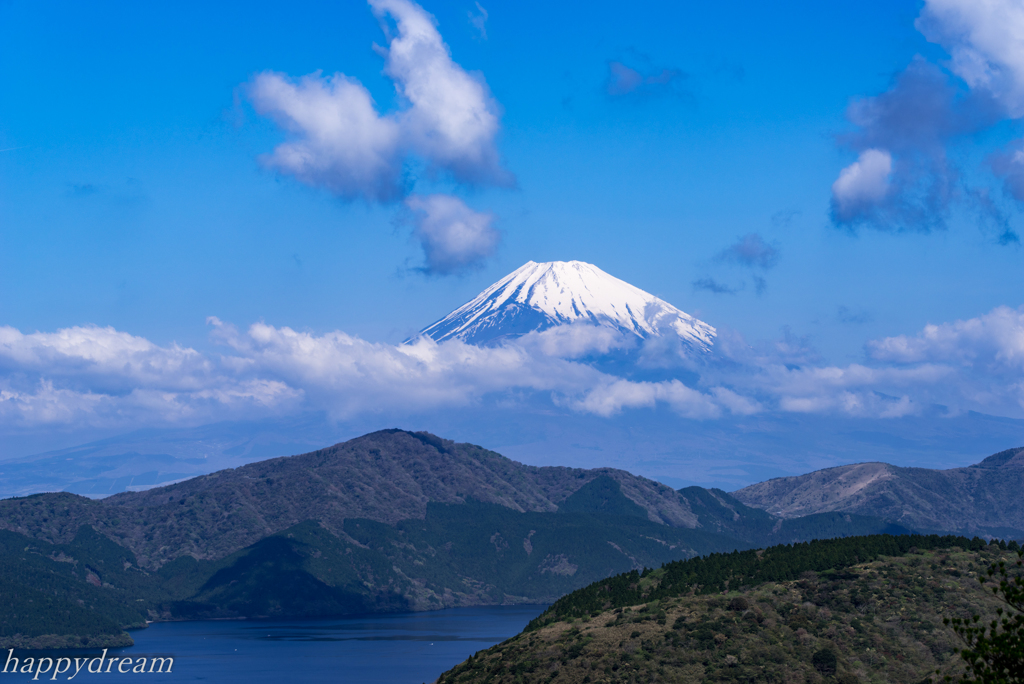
405, 648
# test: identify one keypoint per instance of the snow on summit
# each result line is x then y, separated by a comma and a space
536, 297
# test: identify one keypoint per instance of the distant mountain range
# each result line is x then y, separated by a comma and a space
399, 520
390, 521
984, 499
538, 297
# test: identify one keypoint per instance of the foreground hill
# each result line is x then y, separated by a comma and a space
865, 609
983, 499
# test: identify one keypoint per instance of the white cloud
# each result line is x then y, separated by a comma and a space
575, 341
861, 185
993, 342
102, 377
854, 390
92, 351
91, 376
452, 120
97, 376
346, 375
610, 398
339, 140
985, 39
454, 237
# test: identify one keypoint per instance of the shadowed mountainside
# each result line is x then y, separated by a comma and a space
385, 476
982, 499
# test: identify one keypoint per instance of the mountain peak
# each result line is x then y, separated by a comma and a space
538, 296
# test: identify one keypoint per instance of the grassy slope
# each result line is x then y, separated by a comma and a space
875, 621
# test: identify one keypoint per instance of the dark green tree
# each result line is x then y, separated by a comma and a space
994, 652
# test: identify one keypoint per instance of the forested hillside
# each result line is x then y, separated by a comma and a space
863, 609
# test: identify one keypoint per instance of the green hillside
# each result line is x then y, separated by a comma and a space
866, 609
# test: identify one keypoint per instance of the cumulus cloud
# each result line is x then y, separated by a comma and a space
861, 186
103, 377
975, 364
455, 239
993, 343
610, 398
985, 39
102, 354
452, 120
90, 375
340, 142
903, 178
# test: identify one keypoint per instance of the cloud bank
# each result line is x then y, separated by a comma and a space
91, 376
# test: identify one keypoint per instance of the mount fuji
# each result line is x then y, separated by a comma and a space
540, 296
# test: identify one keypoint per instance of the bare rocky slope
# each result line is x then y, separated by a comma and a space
983, 499
385, 476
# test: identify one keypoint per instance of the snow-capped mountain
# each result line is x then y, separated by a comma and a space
536, 297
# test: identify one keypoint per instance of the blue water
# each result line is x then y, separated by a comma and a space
407, 648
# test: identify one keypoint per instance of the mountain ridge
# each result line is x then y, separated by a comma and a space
983, 498
387, 476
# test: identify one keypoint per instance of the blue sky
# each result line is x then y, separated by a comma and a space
139, 189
